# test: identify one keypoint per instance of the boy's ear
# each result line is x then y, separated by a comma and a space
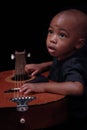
80, 43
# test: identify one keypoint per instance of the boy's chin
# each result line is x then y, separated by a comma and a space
53, 54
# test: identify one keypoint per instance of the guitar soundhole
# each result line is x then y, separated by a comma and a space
20, 77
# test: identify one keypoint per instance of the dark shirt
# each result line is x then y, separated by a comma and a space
73, 69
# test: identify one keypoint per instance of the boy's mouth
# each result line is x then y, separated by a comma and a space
51, 49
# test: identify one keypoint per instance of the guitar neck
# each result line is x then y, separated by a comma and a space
20, 62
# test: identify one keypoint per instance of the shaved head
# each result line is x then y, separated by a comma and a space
78, 18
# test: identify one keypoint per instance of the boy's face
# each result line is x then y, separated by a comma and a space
62, 36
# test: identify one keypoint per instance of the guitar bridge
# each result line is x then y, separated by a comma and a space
22, 103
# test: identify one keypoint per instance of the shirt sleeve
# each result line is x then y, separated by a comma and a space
73, 71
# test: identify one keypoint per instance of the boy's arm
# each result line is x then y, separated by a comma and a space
64, 88
33, 69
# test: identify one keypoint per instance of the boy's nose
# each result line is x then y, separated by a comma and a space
53, 39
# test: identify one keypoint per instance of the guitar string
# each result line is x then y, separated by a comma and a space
19, 75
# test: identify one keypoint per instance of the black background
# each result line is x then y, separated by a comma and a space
24, 26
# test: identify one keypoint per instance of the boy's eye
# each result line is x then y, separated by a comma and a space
50, 31
62, 35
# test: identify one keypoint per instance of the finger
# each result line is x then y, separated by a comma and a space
27, 91
34, 73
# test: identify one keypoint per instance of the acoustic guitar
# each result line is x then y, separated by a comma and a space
31, 112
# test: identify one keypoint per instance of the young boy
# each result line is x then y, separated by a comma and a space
66, 42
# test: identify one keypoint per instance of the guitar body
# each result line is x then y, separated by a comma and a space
46, 110
19, 112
